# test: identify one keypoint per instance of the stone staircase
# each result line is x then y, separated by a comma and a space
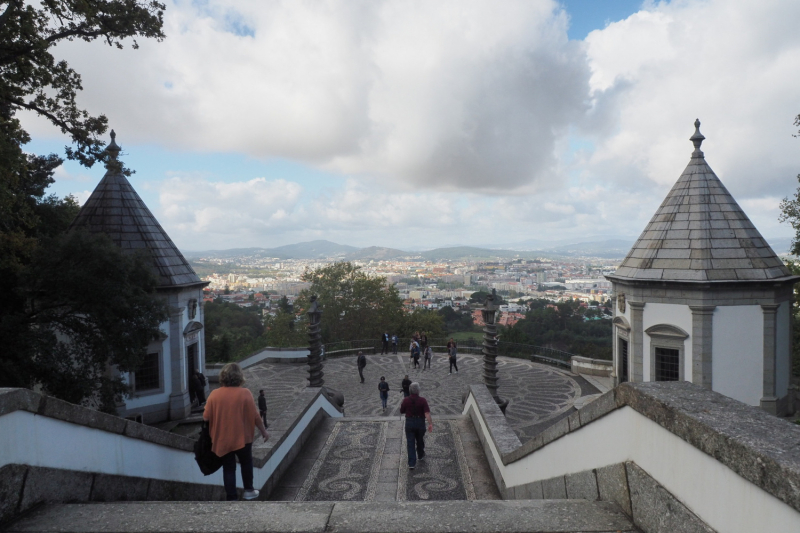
365, 459
351, 475
535, 516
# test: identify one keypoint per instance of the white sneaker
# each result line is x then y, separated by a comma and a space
250, 494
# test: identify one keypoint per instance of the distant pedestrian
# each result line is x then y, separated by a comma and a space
194, 388
262, 407
362, 362
405, 386
384, 343
415, 357
453, 351
428, 355
383, 387
416, 409
394, 344
423, 342
232, 419
414, 349
201, 388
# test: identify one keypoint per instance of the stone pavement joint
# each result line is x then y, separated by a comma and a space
532, 516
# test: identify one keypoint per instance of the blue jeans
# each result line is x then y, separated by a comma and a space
384, 397
245, 456
415, 431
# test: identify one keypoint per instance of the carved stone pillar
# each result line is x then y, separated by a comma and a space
769, 400
489, 350
315, 344
702, 324
637, 341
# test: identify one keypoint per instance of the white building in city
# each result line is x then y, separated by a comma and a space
701, 297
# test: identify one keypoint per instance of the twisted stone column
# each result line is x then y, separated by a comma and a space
315, 344
489, 350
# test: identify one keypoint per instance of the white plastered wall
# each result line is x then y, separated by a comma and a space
137, 402
715, 493
35, 440
674, 315
738, 352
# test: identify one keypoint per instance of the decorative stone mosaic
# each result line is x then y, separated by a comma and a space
538, 394
347, 468
443, 474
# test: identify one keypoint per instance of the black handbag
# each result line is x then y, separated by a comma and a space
207, 460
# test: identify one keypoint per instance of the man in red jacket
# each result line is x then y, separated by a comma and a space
417, 412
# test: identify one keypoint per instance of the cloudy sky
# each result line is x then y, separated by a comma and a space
417, 124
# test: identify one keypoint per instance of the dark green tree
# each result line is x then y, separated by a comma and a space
355, 306
283, 329
425, 321
455, 320
87, 306
34, 249
480, 296
790, 212
232, 332
284, 305
33, 79
794, 267
790, 209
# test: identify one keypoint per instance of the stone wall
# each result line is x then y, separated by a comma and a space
54, 451
592, 367
667, 453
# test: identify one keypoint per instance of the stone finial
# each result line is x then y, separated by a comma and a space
113, 151
697, 139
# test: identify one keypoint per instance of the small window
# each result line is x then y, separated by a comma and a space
623, 358
667, 364
148, 375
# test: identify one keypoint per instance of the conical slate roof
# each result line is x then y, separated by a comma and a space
700, 234
114, 208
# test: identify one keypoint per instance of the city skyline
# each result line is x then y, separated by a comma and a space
426, 125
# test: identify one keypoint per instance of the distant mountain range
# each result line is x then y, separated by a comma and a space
603, 249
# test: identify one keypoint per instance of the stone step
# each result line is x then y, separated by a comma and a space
532, 516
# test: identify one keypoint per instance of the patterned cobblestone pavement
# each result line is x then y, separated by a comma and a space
538, 394
364, 459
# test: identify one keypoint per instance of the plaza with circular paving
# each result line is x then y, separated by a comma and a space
538, 394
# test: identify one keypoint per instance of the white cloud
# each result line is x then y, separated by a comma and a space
732, 63
454, 121
450, 95
228, 210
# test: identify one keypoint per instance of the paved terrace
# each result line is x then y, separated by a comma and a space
539, 395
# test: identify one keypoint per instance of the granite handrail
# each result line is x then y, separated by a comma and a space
44, 434
757, 446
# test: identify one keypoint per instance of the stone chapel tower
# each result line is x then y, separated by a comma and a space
161, 384
702, 297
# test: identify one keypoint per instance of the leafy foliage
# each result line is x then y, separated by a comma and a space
480, 297
455, 320
284, 329
232, 332
85, 305
73, 302
563, 328
355, 306
794, 268
31, 78
425, 321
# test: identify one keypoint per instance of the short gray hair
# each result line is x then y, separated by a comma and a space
231, 375
414, 388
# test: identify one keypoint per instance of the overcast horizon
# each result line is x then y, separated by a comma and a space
417, 125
